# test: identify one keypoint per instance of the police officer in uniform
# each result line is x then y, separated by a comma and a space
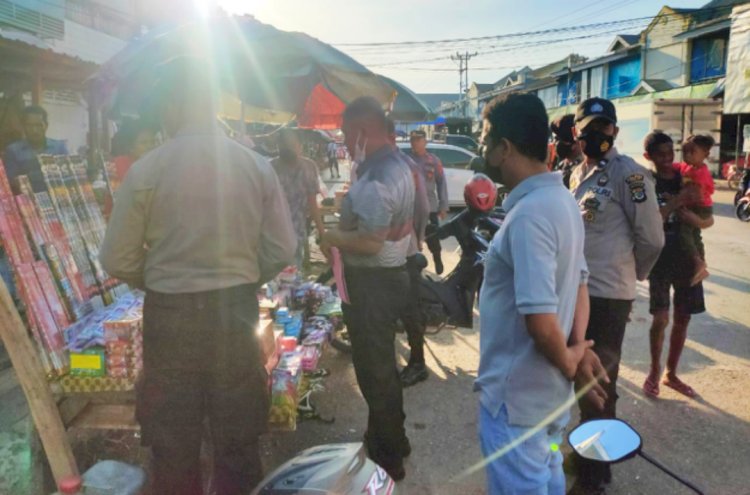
624, 237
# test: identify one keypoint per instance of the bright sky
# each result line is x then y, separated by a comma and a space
358, 21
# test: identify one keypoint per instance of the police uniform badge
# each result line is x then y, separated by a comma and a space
602, 180
637, 187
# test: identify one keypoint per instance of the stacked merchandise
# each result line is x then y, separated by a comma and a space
303, 331
52, 240
107, 343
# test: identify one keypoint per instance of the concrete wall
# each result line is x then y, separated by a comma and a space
665, 58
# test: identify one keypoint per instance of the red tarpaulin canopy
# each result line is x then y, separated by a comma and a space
323, 110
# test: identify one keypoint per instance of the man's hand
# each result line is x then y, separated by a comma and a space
574, 355
591, 373
325, 245
442, 215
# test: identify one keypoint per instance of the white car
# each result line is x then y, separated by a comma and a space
456, 165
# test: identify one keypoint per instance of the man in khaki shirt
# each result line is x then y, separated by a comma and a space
199, 223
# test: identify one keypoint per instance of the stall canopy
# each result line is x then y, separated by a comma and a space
264, 67
407, 107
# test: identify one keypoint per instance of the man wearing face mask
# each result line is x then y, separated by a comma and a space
374, 236
624, 237
437, 191
567, 149
299, 180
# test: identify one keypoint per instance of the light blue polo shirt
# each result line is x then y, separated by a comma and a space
535, 265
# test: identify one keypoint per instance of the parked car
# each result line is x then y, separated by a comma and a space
462, 141
456, 162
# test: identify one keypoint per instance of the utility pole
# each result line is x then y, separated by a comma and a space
463, 75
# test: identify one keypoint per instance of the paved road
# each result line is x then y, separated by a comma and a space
707, 440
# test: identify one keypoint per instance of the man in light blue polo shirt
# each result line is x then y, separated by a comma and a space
533, 307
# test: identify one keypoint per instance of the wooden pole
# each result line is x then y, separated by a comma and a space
31, 376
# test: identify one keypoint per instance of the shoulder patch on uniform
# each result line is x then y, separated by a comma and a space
634, 178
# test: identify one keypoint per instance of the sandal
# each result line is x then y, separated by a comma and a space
651, 387
680, 386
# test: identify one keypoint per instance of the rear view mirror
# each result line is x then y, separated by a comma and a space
605, 440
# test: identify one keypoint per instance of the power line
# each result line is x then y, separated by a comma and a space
530, 33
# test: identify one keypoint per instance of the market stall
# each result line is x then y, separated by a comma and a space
74, 334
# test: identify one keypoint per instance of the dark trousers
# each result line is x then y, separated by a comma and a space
433, 241
376, 302
333, 163
412, 317
201, 361
607, 329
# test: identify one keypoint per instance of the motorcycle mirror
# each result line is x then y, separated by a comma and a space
605, 440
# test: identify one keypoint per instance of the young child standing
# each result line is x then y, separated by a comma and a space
672, 272
699, 187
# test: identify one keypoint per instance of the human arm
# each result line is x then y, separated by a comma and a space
582, 312
278, 242
590, 373
693, 219
550, 341
442, 189
123, 252
421, 207
534, 256
353, 241
313, 189
317, 218
638, 200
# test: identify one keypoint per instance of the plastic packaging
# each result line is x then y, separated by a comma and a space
113, 478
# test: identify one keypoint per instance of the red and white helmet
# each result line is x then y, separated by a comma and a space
480, 193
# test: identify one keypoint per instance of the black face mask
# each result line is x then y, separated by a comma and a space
494, 173
597, 144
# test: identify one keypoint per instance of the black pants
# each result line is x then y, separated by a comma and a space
412, 317
376, 302
202, 361
607, 329
333, 163
433, 241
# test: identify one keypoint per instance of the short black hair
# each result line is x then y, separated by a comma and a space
127, 134
34, 110
522, 120
655, 139
366, 107
703, 141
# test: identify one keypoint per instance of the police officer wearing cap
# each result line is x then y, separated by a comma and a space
624, 237
567, 149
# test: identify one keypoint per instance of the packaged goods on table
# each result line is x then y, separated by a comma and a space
284, 391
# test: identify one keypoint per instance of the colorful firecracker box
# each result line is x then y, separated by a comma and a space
88, 362
92, 384
5, 190
284, 391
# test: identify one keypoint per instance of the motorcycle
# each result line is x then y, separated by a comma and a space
742, 210
334, 468
450, 300
742, 186
613, 440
